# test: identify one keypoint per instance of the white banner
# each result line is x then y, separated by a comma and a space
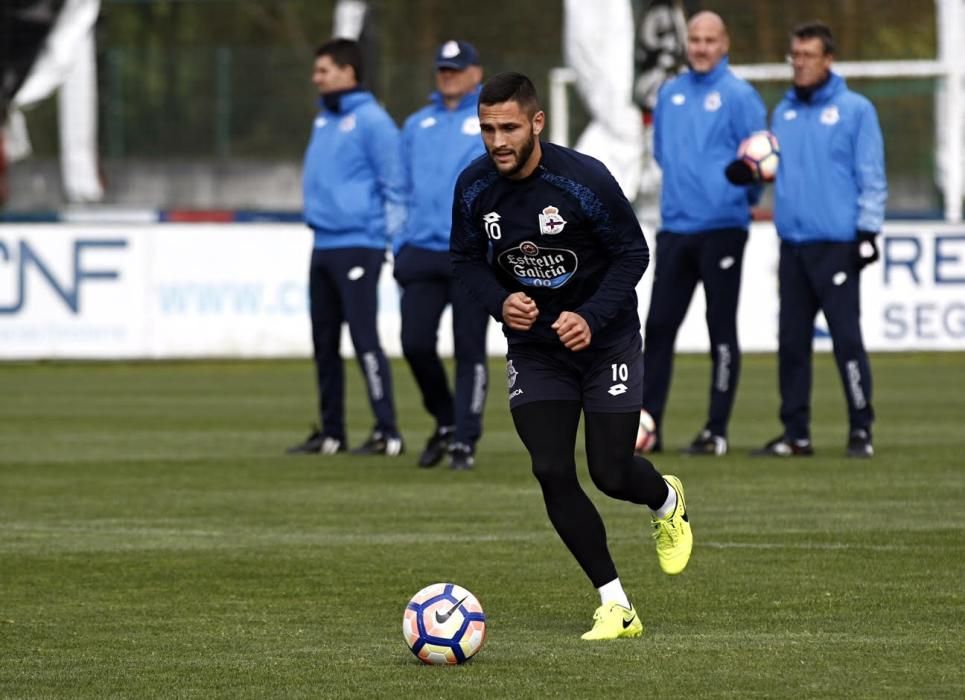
914, 298
757, 311
911, 299
240, 290
162, 290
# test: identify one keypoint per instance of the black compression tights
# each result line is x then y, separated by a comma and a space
548, 429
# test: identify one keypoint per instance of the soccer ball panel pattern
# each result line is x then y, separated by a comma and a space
444, 624
762, 154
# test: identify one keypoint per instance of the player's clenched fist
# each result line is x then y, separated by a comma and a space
573, 331
519, 311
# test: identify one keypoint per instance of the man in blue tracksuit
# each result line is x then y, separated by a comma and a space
829, 203
352, 186
439, 141
700, 119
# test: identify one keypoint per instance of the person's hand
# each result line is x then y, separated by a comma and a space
573, 330
739, 172
519, 311
866, 248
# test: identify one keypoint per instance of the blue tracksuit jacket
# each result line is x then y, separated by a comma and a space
831, 180
352, 181
437, 143
699, 122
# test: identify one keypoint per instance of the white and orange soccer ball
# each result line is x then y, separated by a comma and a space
762, 154
646, 433
444, 624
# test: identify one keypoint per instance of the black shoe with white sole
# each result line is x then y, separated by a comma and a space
785, 447
380, 443
706, 443
318, 443
461, 456
436, 447
859, 444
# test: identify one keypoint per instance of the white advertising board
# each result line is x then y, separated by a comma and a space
240, 290
153, 291
913, 298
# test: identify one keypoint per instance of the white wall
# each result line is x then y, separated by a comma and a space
240, 290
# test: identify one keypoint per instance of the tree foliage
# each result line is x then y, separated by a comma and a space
215, 79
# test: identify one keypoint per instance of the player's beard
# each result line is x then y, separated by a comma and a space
522, 157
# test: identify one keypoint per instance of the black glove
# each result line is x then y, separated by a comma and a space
740, 173
866, 248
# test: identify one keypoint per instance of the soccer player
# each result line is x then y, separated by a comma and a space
439, 141
700, 119
829, 203
353, 203
545, 239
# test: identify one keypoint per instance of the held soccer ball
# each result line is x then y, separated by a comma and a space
646, 433
761, 152
444, 624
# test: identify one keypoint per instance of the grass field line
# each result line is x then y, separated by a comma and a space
153, 537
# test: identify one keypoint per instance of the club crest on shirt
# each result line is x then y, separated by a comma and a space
533, 266
471, 126
550, 221
830, 115
347, 124
712, 102
427, 122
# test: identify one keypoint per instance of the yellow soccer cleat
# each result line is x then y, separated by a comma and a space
612, 621
673, 535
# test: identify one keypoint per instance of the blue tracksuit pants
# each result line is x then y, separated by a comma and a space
820, 276
714, 258
343, 288
428, 286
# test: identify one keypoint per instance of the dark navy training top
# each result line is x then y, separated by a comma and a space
566, 236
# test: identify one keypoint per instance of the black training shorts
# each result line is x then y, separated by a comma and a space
604, 380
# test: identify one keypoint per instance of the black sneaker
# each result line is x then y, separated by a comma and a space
318, 443
706, 443
436, 447
783, 447
461, 456
380, 443
859, 444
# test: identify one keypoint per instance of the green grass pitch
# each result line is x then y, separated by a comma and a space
156, 542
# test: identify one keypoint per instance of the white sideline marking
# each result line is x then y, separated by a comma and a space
229, 537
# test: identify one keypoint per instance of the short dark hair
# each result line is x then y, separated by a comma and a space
510, 87
344, 52
815, 30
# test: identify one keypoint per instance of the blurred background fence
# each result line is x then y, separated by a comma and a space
208, 103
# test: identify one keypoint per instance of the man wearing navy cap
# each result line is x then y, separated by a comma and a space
439, 141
